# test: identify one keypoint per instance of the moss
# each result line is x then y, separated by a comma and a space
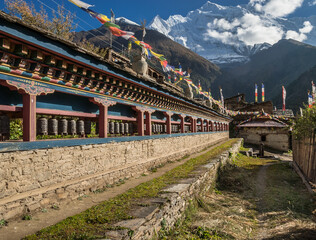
95, 221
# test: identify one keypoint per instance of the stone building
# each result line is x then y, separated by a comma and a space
238, 103
267, 130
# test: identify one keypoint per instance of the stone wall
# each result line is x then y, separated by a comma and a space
164, 211
277, 139
30, 180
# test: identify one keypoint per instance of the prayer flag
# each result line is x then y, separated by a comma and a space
313, 92
110, 24
222, 97
310, 99
263, 96
256, 93
283, 97
81, 4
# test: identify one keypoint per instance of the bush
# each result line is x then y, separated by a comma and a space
305, 126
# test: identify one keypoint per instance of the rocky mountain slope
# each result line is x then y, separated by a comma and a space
286, 63
202, 69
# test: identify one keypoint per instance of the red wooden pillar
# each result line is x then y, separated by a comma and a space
29, 117
182, 124
168, 121
103, 121
201, 125
103, 104
148, 131
194, 122
140, 123
207, 126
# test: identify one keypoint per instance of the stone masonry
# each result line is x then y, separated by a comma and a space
164, 211
31, 180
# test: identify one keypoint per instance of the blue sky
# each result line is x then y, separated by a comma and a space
138, 10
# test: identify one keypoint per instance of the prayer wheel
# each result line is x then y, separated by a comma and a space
117, 128
42, 126
4, 127
122, 128
111, 127
165, 128
63, 126
80, 127
126, 128
53, 126
131, 128
87, 127
72, 130
153, 128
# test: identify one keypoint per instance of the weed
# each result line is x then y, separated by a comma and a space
27, 217
55, 207
43, 210
3, 223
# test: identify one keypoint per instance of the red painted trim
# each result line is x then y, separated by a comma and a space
122, 118
6, 108
65, 113
72, 60
158, 121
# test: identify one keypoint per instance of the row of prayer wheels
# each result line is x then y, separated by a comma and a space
120, 128
63, 126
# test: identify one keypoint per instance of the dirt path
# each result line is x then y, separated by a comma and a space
254, 198
261, 183
19, 228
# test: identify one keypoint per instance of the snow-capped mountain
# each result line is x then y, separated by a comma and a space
125, 20
227, 34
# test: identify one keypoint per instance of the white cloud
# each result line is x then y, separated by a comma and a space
312, 3
249, 29
224, 24
224, 37
255, 30
301, 34
276, 8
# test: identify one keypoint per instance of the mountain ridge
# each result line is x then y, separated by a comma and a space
220, 33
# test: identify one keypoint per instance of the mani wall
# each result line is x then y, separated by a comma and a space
35, 179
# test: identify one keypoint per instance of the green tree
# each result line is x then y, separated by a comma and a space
305, 125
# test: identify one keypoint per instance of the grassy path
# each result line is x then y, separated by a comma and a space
253, 199
110, 207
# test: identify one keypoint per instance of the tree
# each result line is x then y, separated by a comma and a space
62, 23
305, 125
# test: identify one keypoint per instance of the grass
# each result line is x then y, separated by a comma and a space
94, 222
234, 209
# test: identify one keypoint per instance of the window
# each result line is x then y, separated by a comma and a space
263, 138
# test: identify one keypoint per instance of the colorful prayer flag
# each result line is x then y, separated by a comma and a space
256, 93
81, 4
310, 99
263, 96
283, 97
313, 92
